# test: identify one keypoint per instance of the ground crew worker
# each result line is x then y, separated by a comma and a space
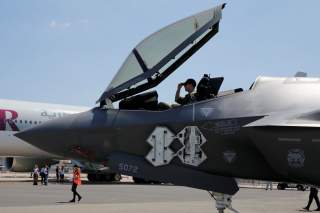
42, 175
35, 175
313, 195
189, 86
75, 183
46, 175
57, 174
61, 174
269, 185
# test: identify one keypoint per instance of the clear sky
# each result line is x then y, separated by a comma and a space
67, 51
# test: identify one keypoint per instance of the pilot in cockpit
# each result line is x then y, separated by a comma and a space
189, 87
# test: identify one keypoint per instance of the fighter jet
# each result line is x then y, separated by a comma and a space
268, 132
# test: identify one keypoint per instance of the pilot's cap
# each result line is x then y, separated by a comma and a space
191, 81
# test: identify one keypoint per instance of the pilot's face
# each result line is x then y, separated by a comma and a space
189, 88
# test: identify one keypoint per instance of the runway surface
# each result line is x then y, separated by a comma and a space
22, 197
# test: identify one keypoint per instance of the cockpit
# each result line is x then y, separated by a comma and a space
158, 56
208, 88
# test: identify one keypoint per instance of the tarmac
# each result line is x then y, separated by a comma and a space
23, 197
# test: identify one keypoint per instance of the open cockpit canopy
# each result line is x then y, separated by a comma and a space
160, 54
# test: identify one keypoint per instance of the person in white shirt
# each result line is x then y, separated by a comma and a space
35, 175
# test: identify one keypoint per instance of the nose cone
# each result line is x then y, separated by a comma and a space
87, 135
53, 136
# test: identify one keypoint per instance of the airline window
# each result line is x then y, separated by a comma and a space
21, 121
35, 122
25, 121
30, 122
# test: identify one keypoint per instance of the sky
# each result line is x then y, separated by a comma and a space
67, 51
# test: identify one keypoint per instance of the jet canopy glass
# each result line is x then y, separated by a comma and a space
160, 54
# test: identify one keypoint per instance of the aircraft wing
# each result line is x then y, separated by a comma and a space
137, 166
303, 118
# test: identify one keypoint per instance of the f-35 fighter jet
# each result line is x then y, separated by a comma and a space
269, 132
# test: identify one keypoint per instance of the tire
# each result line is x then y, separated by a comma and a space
100, 177
92, 177
281, 186
301, 188
117, 177
106, 177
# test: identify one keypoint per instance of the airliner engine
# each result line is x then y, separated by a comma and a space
24, 164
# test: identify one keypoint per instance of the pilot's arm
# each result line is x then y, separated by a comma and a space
178, 97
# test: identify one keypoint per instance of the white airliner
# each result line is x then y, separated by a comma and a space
20, 115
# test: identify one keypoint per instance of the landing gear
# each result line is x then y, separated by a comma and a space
223, 201
97, 177
116, 177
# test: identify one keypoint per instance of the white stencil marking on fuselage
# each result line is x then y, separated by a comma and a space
229, 156
289, 139
160, 140
191, 140
193, 112
206, 111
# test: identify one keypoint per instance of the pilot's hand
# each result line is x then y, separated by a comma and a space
180, 85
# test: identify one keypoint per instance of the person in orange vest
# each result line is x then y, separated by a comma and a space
75, 183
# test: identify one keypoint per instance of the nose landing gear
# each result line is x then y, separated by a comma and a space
223, 201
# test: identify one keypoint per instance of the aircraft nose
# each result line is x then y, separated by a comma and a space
51, 136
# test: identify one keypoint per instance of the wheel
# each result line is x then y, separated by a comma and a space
281, 186
116, 177
106, 177
300, 187
92, 177
100, 177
